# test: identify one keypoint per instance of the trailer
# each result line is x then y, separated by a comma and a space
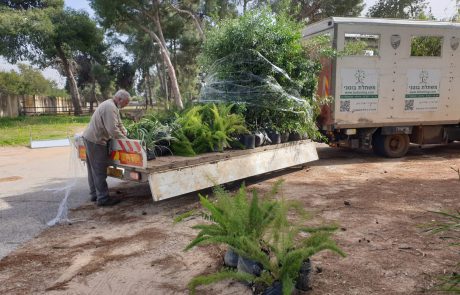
171, 176
393, 82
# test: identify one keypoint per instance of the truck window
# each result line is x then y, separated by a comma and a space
359, 44
426, 46
317, 46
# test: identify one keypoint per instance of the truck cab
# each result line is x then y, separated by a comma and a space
392, 83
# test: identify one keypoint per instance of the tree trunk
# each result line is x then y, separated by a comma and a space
149, 89
165, 55
146, 97
93, 88
161, 79
72, 83
93, 95
166, 84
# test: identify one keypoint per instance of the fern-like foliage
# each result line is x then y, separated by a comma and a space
260, 229
206, 128
450, 223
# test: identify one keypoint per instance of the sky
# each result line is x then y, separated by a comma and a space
441, 9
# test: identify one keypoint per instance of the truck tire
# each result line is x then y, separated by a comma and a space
391, 146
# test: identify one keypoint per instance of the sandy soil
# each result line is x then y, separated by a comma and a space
135, 248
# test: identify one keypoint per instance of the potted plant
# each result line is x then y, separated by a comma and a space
206, 128
259, 230
155, 136
274, 135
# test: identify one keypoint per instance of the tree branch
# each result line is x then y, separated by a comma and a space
194, 18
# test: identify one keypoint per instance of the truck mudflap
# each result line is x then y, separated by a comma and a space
122, 152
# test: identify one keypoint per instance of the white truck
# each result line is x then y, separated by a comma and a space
394, 82
172, 176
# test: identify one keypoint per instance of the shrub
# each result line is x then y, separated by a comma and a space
450, 223
266, 69
206, 128
259, 229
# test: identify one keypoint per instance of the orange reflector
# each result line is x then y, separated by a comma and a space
82, 152
130, 158
135, 175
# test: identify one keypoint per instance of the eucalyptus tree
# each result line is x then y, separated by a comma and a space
123, 71
46, 34
86, 79
412, 9
146, 57
144, 16
191, 10
312, 10
185, 44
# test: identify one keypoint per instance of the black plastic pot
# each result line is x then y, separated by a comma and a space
161, 150
275, 137
285, 137
249, 266
231, 258
248, 140
275, 289
294, 136
150, 155
259, 139
303, 281
164, 142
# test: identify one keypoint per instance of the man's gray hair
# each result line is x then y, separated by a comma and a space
122, 94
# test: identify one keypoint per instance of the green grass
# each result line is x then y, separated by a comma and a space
17, 131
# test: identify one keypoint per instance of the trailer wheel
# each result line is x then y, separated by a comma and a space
391, 146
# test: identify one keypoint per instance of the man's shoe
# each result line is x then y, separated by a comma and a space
93, 198
108, 202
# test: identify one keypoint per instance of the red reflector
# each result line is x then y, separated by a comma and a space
135, 175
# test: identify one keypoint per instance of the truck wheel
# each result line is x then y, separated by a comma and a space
395, 145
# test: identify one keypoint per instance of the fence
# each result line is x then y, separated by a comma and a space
31, 105
13, 106
9, 106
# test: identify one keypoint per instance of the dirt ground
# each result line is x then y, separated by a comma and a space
135, 248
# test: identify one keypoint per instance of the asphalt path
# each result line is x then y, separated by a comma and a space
33, 183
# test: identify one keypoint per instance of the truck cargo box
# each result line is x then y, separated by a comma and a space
393, 82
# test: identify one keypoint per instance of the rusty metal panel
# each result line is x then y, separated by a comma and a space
428, 135
179, 181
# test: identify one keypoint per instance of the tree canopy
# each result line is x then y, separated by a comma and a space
408, 9
46, 34
144, 16
162, 40
28, 81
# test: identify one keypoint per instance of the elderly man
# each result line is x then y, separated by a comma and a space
105, 124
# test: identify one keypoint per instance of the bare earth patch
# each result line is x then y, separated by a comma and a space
135, 248
10, 178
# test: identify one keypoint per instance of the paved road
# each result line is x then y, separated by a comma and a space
30, 180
